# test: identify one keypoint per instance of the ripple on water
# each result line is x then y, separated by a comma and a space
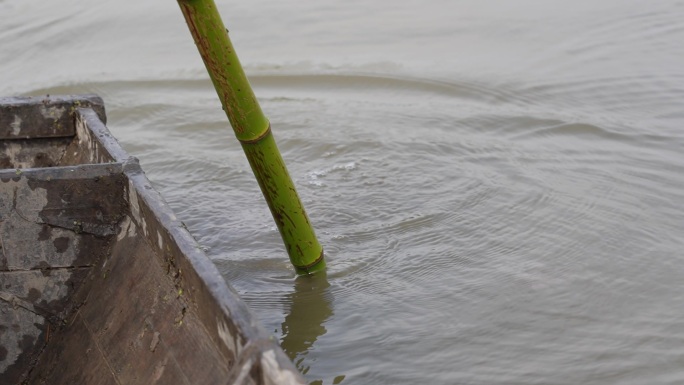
513, 237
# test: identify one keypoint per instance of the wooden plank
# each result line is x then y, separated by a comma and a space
93, 142
21, 330
228, 322
44, 292
84, 199
43, 117
73, 357
155, 309
141, 323
32, 153
54, 225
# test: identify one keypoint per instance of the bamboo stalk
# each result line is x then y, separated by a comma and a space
253, 131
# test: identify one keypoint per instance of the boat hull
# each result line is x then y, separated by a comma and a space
100, 283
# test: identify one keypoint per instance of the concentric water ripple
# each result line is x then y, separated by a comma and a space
497, 184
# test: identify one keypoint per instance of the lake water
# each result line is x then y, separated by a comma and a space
499, 185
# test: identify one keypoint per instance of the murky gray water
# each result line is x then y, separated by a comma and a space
498, 184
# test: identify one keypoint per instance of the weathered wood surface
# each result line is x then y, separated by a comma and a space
43, 117
138, 322
100, 283
25, 153
53, 224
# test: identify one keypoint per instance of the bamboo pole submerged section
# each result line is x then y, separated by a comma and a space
253, 131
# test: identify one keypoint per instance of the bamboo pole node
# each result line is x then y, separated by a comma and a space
258, 138
248, 122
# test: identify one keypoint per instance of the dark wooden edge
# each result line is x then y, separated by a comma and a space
235, 330
78, 205
227, 320
19, 118
66, 172
98, 130
100, 216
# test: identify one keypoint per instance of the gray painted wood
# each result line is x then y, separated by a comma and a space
100, 283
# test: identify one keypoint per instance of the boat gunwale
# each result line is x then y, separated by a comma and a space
249, 337
225, 317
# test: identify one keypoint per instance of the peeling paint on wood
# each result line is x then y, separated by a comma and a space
100, 283
43, 117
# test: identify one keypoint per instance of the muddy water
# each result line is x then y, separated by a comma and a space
498, 184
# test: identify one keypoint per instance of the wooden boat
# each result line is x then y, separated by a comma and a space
100, 283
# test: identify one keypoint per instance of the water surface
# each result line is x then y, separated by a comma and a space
498, 185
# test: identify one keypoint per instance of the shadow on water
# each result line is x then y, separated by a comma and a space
311, 305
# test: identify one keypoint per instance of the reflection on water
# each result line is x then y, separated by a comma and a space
310, 305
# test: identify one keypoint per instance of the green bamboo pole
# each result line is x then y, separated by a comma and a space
253, 131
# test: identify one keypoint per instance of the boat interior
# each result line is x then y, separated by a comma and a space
100, 283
